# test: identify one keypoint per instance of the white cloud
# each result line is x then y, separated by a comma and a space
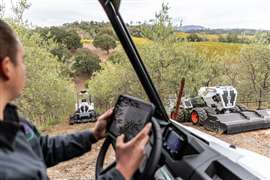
209, 13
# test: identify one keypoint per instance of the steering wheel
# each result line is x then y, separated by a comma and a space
147, 168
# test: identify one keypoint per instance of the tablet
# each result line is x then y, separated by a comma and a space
130, 114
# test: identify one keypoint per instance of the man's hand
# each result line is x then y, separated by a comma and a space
101, 124
129, 155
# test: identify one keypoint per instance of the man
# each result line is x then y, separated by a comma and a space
24, 153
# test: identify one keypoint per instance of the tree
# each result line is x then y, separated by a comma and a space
170, 65
221, 38
193, 37
166, 61
19, 8
44, 99
84, 62
105, 42
229, 67
262, 38
66, 38
166, 66
71, 40
62, 53
116, 57
232, 38
160, 28
111, 81
108, 31
255, 72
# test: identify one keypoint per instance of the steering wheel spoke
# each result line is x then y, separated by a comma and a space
109, 167
152, 155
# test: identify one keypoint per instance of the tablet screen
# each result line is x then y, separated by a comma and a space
130, 116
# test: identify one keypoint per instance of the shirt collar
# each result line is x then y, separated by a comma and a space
9, 126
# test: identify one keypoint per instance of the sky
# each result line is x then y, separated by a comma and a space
253, 14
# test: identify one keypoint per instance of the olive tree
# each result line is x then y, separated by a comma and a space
84, 62
19, 8
105, 42
48, 96
166, 66
69, 39
160, 28
255, 72
262, 38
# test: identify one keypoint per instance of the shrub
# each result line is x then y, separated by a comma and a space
61, 53
48, 95
194, 37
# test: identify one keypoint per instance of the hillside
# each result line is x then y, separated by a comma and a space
191, 28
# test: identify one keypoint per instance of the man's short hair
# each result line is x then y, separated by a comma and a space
8, 42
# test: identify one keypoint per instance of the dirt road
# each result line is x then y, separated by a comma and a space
83, 168
257, 141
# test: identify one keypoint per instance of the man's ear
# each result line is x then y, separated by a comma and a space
5, 67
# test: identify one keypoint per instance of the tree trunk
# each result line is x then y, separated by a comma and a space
260, 99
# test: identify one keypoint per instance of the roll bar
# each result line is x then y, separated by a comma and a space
111, 8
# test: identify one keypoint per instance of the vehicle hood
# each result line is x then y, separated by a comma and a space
253, 162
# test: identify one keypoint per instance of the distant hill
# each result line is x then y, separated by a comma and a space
234, 31
191, 28
202, 29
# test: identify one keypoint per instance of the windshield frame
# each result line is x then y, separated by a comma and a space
112, 10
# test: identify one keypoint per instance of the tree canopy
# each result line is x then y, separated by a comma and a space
66, 38
85, 62
160, 28
105, 42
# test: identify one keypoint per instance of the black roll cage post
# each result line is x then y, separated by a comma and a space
111, 8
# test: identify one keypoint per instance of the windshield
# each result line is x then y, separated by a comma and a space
209, 61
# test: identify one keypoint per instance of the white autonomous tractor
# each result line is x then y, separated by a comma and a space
84, 109
216, 109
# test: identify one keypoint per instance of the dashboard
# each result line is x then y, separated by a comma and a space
184, 156
173, 143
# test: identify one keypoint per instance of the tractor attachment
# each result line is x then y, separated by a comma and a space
238, 121
215, 109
